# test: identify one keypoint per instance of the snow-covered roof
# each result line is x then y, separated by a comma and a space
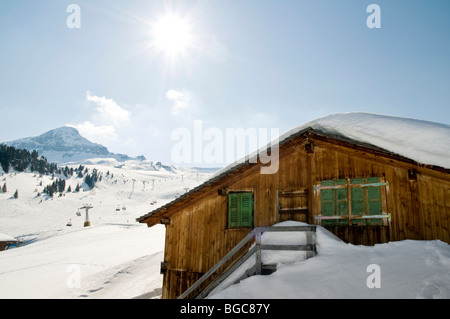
4, 237
421, 141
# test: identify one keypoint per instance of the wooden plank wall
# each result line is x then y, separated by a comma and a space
197, 237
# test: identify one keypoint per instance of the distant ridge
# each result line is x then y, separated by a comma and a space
66, 145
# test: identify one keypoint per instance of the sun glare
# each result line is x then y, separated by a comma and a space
172, 35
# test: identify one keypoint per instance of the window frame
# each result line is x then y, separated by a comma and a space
243, 198
372, 191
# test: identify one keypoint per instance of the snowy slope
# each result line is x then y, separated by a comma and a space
115, 258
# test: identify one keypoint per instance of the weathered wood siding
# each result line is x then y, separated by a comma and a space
197, 236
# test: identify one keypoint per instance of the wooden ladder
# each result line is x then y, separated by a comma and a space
202, 287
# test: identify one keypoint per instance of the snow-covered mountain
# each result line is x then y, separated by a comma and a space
65, 145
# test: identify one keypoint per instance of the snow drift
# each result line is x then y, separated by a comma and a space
408, 269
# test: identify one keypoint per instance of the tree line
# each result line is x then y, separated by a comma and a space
21, 159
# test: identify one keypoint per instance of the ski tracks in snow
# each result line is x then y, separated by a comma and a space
433, 287
126, 281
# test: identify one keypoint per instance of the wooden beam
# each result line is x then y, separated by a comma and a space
165, 221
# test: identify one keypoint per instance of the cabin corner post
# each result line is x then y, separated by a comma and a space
312, 210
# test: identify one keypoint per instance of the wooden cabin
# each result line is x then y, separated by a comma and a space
6, 241
360, 192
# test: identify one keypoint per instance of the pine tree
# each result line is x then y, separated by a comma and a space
16, 194
4, 188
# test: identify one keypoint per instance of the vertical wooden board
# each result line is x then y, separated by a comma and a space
425, 198
445, 212
447, 207
181, 246
434, 209
441, 189
191, 234
168, 244
316, 163
394, 205
344, 166
422, 192
415, 213
404, 197
439, 202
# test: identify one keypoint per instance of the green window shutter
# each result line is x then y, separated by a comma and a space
375, 206
334, 202
240, 209
341, 202
328, 202
246, 202
358, 201
365, 200
233, 209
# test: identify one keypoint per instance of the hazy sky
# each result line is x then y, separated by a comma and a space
241, 63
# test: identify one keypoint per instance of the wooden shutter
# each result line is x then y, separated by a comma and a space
328, 201
366, 199
233, 209
341, 202
240, 209
374, 202
359, 204
334, 202
246, 201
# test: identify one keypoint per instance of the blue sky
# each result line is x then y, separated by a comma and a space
250, 63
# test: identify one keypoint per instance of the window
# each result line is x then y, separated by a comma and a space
240, 209
358, 201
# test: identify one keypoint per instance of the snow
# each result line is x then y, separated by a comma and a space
114, 258
4, 237
407, 269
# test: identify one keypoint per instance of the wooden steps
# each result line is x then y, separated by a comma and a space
215, 277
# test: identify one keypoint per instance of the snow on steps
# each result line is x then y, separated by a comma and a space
280, 243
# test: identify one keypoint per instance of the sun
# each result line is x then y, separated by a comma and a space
172, 35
